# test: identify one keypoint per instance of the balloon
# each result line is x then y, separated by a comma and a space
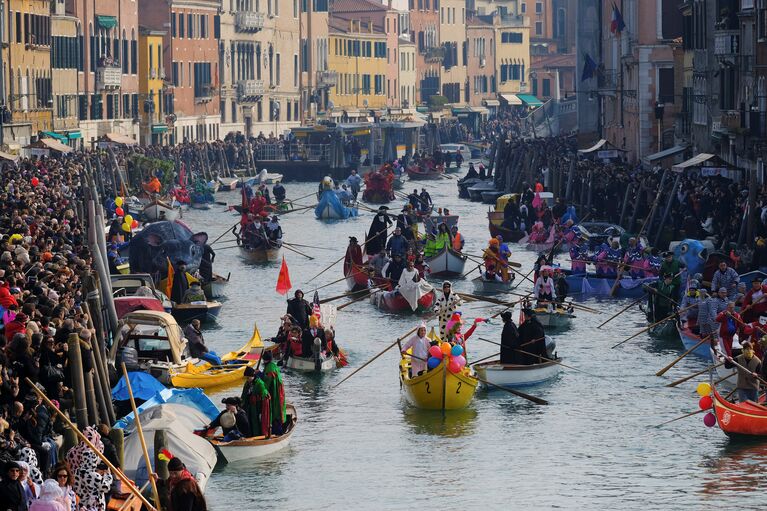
705, 402
128, 219
709, 419
118, 201
461, 361
126, 227
454, 367
435, 352
457, 350
134, 224
703, 389
119, 211
433, 362
445, 347
35, 181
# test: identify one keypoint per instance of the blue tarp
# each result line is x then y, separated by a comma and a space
194, 398
330, 207
144, 387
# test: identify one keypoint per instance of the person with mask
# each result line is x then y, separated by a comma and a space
376, 238
419, 344
749, 368
509, 340
445, 306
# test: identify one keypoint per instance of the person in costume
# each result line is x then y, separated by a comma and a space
509, 340
544, 289
273, 382
411, 286
256, 403
232, 420
533, 338
307, 338
419, 345
353, 257
446, 305
376, 238
454, 334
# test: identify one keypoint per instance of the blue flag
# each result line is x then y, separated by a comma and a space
589, 67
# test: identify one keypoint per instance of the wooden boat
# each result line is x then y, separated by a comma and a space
739, 420
260, 254
257, 446
378, 185
665, 330
491, 196
495, 219
216, 287
357, 279
598, 285
475, 191
317, 363
446, 263
431, 222
514, 375
554, 319
482, 285
690, 339
421, 172
228, 183
438, 389
397, 303
464, 184
204, 311
330, 207
158, 210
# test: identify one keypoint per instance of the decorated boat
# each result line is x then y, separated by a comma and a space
739, 420
248, 448
438, 388
556, 318
495, 219
425, 169
158, 210
329, 206
591, 284
379, 185
483, 285
204, 311
446, 263
514, 375
395, 302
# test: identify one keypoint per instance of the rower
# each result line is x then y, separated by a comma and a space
672, 266
419, 345
256, 404
660, 297
414, 199
532, 339
458, 240
405, 224
279, 192
726, 278
561, 287
397, 244
692, 300
354, 181
730, 324
294, 345
378, 262
509, 340
425, 199
544, 288
273, 383
232, 420
749, 367
274, 229
376, 238
353, 257
194, 294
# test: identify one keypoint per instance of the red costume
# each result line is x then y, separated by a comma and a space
755, 296
730, 324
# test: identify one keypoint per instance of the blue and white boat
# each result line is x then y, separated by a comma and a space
330, 207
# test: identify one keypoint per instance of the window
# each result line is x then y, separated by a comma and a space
538, 7
524, 8
181, 26
173, 24
546, 84
511, 37
277, 69
151, 57
190, 25
379, 84
295, 8
666, 85
365, 84
538, 27
380, 50
202, 80
295, 111
133, 56
174, 74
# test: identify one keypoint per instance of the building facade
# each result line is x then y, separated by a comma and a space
407, 72
66, 62
424, 32
480, 35
512, 52
155, 100
316, 77
452, 30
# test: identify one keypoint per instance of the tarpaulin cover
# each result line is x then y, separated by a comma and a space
144, 386
193, 398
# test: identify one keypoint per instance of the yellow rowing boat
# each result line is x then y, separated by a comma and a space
203, 374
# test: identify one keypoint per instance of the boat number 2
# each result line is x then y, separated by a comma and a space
458, 390
428, 390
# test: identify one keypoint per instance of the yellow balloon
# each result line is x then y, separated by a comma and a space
118, 201
126, 227
703, 389
128, 219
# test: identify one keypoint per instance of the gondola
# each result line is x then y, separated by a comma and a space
390, 302
739, 420
204, 311
425, 172
515, 375
446, 263
261, 253
250, 448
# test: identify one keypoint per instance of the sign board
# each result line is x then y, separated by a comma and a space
607, 154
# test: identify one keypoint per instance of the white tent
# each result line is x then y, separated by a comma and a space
179, 422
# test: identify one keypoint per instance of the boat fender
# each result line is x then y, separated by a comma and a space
316, 353
551, 346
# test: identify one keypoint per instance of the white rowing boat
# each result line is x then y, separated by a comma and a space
319, 362
482, 285
513, 375
257, 446
447, 262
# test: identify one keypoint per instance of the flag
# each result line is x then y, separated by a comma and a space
316, 306
169, 280
616, 24
283, 281
589, 67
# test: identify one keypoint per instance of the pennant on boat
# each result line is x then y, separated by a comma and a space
283, 281
169, 280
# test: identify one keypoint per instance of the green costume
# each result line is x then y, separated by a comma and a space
273, 383
673, 268
663, 304
257, 406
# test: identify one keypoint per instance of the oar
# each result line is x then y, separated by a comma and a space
344, 295
686, 378
330, 284
478, 267
485, 358
732, 361
363, 366
672, 364
654, 324
517, 393
284, 245
342, 258
513, 264
366, 295
538, 356
224, 233
310, 246
696, 412
623, 310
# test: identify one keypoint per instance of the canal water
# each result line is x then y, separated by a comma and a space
361, 446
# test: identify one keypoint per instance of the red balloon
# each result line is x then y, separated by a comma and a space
134, 224
705, 402
119, 211
35, 181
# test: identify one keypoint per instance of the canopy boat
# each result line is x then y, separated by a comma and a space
556, 318
425, 169
395, 302
514, 375
446, 263
215, 288
228, 183
262, 253
475, 191
690, 339
739, 420
495, 219
257, 446
438, 389
378, 185
483, 285
204, 311
330, 207
158, 210
602, 285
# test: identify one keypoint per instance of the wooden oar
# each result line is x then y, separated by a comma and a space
366, 295
344, 295
475, 258
311, 246
732, 361
672, 364
654, 324
686, 378
485, 358
287, 245
623, 310
342, 257
696, 412
224, 233
330, 284
517, 393
538, 356
478, 267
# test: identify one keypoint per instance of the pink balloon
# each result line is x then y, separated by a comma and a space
709, 419
435, 352
453, 366
461, 361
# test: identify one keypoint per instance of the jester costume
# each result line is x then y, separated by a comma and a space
256, 402
273, 383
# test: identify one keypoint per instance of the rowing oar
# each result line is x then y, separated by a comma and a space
344, 295
363, 366
510, 263
330, 284
623, 310
732, 361
538, 356
304, 208
366, 295
654, 324
311, 246
225, 233
285, 245
573, 305
485, 358
342, 257
672, 364
696, 412
478, 267
686, 378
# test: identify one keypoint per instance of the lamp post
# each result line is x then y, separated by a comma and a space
659, 109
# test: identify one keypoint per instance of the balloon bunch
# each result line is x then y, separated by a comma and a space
446, 351
706, 403
128, 222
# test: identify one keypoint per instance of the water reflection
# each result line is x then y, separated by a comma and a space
736, 467
450, 423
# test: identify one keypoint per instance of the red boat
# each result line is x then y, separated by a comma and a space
397, 303
425, 169
379, 186
740, 420
356, 279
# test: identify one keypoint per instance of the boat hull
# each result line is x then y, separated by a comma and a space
490, 286
357, 280
260, 255
666, 330
257, 447
559, 320
228, 183
397, 303
438, 389
419, 175
215, 288
495, 219
186, 312
447, 263
690, 339
309, 365
513, 375
157, 211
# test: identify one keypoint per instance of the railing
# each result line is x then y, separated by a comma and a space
327, 78
108, 77
435, 54
726, 42
249, 21
250, 90
295, 151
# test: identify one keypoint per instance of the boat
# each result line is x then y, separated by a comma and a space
158, 210
357, 277
482, 285
447, 262
495, 219
399, 182
515, 375
261, 254
215, 288
267, 178
556, 318
490, 196
229, 183
319, 362
464, 184
391, 302
378, 185
739, 420
438, 388
425, 169
456, 148
431, 222
137, 291
475, 191
665, 330
204, 311
250, 448
330, 207
690, 339
591, 284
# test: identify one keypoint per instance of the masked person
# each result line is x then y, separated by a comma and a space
748, 384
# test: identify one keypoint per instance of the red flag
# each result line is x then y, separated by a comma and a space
283, 281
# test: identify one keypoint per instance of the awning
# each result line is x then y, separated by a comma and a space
530, 100
159, 128
9, 157
491, 102
55, 145
72, 135
593, 148
511, 99
106, 22
695, 161
119, 138
57, 136
666, 153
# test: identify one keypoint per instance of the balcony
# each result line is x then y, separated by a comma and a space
108, 77
249, 21
726, 42
250, 91
327, 78
434, 55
